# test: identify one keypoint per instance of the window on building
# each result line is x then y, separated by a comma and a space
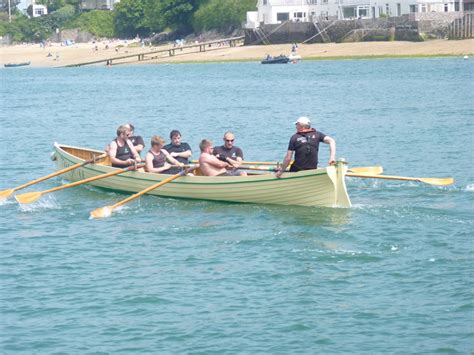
283, 16
265, 2
298, 16
363, 11
424, 8
312, 2
446, 7
399, 9
456, 6
412, 9
349, 12
387, 9
324, 1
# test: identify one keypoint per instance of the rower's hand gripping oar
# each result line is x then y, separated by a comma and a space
30, 197
6, 193
107, 210
431, 181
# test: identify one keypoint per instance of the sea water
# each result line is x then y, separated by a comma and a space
392, 274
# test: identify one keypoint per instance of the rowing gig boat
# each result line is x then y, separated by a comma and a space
317, 187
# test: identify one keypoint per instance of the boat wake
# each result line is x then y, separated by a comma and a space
45, 203
469, 187
7, 201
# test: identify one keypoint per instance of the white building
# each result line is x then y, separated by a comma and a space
85, 5
278, 11
98, 4
37, 10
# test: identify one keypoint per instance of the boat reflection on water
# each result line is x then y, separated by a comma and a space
311, 216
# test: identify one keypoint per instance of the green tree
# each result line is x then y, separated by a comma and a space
130, 18
222, 15
177, 14
99, 23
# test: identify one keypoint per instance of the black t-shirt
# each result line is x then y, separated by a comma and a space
306, 148
136, 140
171, 148
233, 153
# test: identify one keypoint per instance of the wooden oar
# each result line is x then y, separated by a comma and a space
253, 162
30, 197
363, 170
6, 193
107, 210
431, 181
375, 170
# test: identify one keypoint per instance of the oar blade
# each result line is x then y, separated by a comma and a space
438, 181
29, 197
372, 170
101, 212
6, 193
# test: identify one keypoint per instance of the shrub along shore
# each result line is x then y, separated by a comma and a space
56, 55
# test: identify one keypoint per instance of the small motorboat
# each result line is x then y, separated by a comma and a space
281, 59
13, 65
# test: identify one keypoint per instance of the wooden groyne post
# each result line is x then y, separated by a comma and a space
463, 27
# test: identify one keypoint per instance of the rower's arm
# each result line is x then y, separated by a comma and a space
134, 151
170, 158
234, 162
332, 149
186, 154
149, 165
286, 163
214, 161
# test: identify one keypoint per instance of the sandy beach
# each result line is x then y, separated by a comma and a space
57, 55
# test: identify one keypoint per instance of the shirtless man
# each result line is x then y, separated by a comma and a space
211, 165
122, 152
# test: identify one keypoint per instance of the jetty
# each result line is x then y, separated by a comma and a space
169, 51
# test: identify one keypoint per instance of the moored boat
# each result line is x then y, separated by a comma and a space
318, 187
12, 65
281, 59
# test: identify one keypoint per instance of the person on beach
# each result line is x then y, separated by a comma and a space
229, 153
158, 160
179, 150
121, 151
210, 165
305, 145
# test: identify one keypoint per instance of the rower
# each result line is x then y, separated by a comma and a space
121, 150
159, 160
